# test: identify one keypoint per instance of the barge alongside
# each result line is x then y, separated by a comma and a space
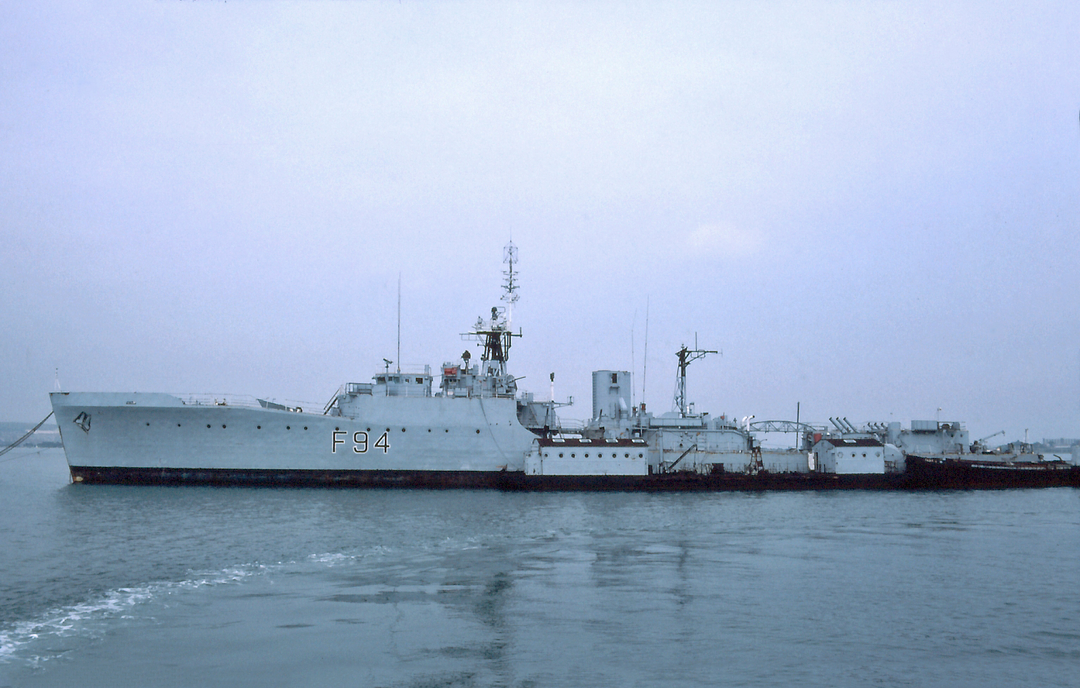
477, 431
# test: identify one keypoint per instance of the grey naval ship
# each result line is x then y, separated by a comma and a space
475, 430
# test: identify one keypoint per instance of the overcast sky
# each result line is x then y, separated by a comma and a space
870, 208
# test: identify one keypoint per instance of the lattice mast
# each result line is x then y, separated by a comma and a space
495, 333
686, 357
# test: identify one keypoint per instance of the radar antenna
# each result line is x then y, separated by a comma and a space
510, 285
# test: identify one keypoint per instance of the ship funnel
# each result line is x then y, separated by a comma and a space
611, 393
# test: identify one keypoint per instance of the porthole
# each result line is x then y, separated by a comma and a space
288, 427
305, 427
628, 456
573, 455
207, 425
560, 455
429, 429
177, 425
640, 455
447, 430
258, 427
222, 426
403, 429
147, 425
477, 432
586, 455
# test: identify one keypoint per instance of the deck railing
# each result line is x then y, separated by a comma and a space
243, 401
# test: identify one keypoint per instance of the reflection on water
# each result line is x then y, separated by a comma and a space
458, 588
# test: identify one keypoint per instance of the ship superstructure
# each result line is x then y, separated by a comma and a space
392, 430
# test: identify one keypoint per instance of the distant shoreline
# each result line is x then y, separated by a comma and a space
48, 435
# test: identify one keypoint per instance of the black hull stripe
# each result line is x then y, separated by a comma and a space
285, 477
917, 477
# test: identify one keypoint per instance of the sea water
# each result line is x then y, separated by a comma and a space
179, 586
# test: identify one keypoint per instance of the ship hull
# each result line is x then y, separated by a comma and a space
141, 439
949, 478
134, 437
116, 475
694, 482
927, 472
937, 478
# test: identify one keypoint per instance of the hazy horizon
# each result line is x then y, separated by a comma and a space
870, 208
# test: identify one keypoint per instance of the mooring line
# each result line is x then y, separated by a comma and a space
23, 438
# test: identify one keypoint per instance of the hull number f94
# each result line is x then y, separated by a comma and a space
360, 442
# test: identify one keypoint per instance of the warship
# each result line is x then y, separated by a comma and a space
476, 430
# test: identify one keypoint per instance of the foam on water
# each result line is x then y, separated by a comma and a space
32, 642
